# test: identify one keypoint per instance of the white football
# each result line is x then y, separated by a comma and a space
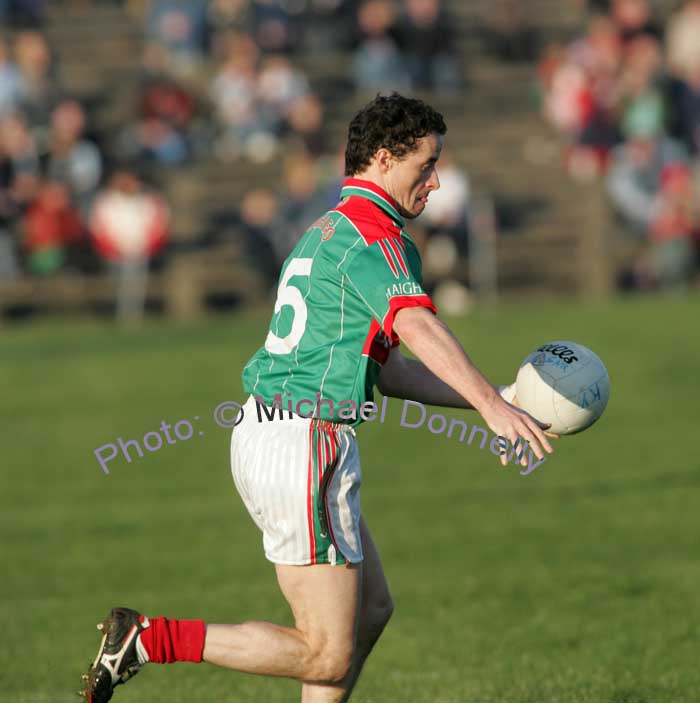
565, 384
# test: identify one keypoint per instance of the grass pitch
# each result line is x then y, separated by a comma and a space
576, 584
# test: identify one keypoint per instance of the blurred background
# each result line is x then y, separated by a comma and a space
162, 157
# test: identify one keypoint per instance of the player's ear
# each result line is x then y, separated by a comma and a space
384, 159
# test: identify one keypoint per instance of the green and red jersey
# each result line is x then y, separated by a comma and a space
338, 294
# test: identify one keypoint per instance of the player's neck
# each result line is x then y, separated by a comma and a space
374, 175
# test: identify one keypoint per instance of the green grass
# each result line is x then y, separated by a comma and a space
578, 583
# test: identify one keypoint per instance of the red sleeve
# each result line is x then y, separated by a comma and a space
404, 301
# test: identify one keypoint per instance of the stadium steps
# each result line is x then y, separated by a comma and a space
98, 52
209, 190
184, 290
101, 45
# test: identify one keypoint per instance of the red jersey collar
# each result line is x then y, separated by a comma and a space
371, 191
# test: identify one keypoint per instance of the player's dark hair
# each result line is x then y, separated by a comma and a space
392, 122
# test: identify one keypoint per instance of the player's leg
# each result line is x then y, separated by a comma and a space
324, 600
376, 608
334, 608
280, 472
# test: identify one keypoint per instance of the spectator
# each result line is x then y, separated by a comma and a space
685, 116
272, 222
22, 13
129, 226
10, 82
639, 91
582, 98
234, 92
300, 200
259, 221
160, 134
565, 97
682, 40
643, 66
424, 35
71, 159
155, 62
230, 15
331, 168
377, 63
638, 171
582, 80
447, 208
153, 141
673, 228
180, 27
164, 99
128, 222
305, 122
18, 185
274, 28
279, 84
325, 26
634, 19
614, 84
39, 89
510, 33
52, 229
684, 86
18, 160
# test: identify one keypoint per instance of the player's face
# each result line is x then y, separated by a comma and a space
413, 178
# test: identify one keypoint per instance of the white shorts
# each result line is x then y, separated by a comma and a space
299, 479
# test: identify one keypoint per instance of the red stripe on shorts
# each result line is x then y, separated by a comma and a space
310, 496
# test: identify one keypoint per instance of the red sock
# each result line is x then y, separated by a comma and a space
167, 641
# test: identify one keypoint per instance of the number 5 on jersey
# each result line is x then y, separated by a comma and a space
289, 294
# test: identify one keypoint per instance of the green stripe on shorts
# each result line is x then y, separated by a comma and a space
325, 452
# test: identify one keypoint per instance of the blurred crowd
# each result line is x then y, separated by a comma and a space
221, 78
625, 94
65, 203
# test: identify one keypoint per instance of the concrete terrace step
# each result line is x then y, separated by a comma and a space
85, 13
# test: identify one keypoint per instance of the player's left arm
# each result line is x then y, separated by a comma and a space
410, 379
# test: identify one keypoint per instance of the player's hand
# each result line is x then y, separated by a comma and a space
509, 421
553, 435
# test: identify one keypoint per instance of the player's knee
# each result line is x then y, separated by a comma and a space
374, 618
386, 610
329, 664
337, 665
379, 613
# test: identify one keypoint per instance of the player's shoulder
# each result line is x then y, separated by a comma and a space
330, 240
356, 232
367, 219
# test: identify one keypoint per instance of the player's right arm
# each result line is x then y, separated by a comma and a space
405, 378
386, 277
440, 351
